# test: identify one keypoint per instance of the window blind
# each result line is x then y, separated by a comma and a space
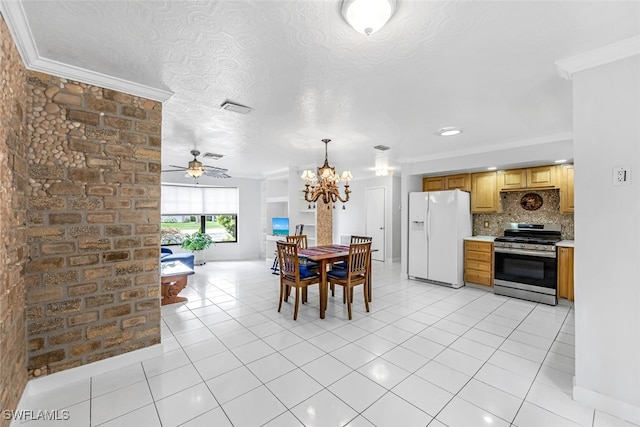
178, 200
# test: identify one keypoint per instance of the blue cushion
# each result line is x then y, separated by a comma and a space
187, 259
165, 251
306, 273
340, 273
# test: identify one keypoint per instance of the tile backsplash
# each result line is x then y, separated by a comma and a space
548, 213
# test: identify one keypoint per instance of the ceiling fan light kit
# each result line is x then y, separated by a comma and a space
367, 16
196, 169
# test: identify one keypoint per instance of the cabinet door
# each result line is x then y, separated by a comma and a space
435, 183
484, 192
543, 176
513, 179
458, 182
566, 190
565, 273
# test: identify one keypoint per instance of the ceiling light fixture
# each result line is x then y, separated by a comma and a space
561, 161
325, 184
195, 169
382, 165
492, 168
449, 131
367, 16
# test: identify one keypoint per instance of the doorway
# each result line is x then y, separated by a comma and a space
374, 222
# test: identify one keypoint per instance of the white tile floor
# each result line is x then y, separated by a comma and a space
424, 355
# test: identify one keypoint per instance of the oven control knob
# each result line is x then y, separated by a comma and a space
522, 245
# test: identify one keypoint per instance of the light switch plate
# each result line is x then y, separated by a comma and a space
622, 175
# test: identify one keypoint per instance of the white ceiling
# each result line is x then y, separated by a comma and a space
485, 66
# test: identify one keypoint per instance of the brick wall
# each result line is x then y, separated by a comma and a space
93, 223
13, 373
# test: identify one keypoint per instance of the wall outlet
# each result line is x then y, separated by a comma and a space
622, 175
486, 224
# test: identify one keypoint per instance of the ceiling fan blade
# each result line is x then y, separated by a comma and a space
173, 170
178, 167
214, 168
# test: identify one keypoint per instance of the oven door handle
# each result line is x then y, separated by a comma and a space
541, 254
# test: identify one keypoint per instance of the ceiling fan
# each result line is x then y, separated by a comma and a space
196, 169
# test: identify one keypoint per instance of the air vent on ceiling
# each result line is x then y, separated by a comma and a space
236, 108
212, 156
382, 147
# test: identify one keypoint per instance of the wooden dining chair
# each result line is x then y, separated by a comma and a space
354, 239
355, 273
293, 275
299, 240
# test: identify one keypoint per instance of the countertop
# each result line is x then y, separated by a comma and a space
481, 238
566, 243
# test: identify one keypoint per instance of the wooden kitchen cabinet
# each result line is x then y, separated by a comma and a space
458, 182
566, 189
435, 183
565, 272
520, 179
542, 177
484, 193
513, 179
478, 262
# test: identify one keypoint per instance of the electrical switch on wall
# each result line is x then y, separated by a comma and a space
622, 175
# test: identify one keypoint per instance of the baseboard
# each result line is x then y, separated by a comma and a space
49, 382
604, 403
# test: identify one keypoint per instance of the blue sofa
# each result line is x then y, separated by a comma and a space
167, 255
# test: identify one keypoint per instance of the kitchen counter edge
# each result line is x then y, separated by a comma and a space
481, 238
566, 243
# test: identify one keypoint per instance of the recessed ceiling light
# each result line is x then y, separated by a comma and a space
561, 161
492, 168
449, 131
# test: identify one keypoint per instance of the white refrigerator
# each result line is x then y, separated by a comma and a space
438, 223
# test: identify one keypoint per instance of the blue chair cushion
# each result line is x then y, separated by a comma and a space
341, 264
340, 273
187, 259
306, 273
165, 251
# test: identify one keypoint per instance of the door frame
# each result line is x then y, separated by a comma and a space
383, 248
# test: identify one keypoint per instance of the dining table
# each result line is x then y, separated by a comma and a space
325, 255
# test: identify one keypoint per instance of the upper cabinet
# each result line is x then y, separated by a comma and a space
484, 193
449, 182
538, 177
458, 182
435, 183
566, 189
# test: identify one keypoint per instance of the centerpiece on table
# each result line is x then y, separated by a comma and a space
196, 243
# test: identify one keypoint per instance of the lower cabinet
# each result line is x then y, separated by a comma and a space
565, 272
478, 262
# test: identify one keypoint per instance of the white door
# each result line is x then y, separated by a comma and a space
374, 225
442, 229
417, 235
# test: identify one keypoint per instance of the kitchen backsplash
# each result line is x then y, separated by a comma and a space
548, 213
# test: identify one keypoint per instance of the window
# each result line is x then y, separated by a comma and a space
187, 210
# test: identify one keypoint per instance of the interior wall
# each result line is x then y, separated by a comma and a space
93, 225
13, 182
607, 295
352, 219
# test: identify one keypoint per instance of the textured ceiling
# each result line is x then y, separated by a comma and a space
486, 66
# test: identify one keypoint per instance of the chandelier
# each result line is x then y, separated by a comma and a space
325, 184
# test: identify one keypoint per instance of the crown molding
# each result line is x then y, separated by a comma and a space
16, 20
567, 67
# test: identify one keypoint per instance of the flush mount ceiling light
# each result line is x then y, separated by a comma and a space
561, 161
492, 168
449, 131
367, 16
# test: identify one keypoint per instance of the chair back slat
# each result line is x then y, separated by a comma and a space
288, 257
300, 241
299, 228
358, 258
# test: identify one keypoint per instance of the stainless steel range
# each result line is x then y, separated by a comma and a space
526, 263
